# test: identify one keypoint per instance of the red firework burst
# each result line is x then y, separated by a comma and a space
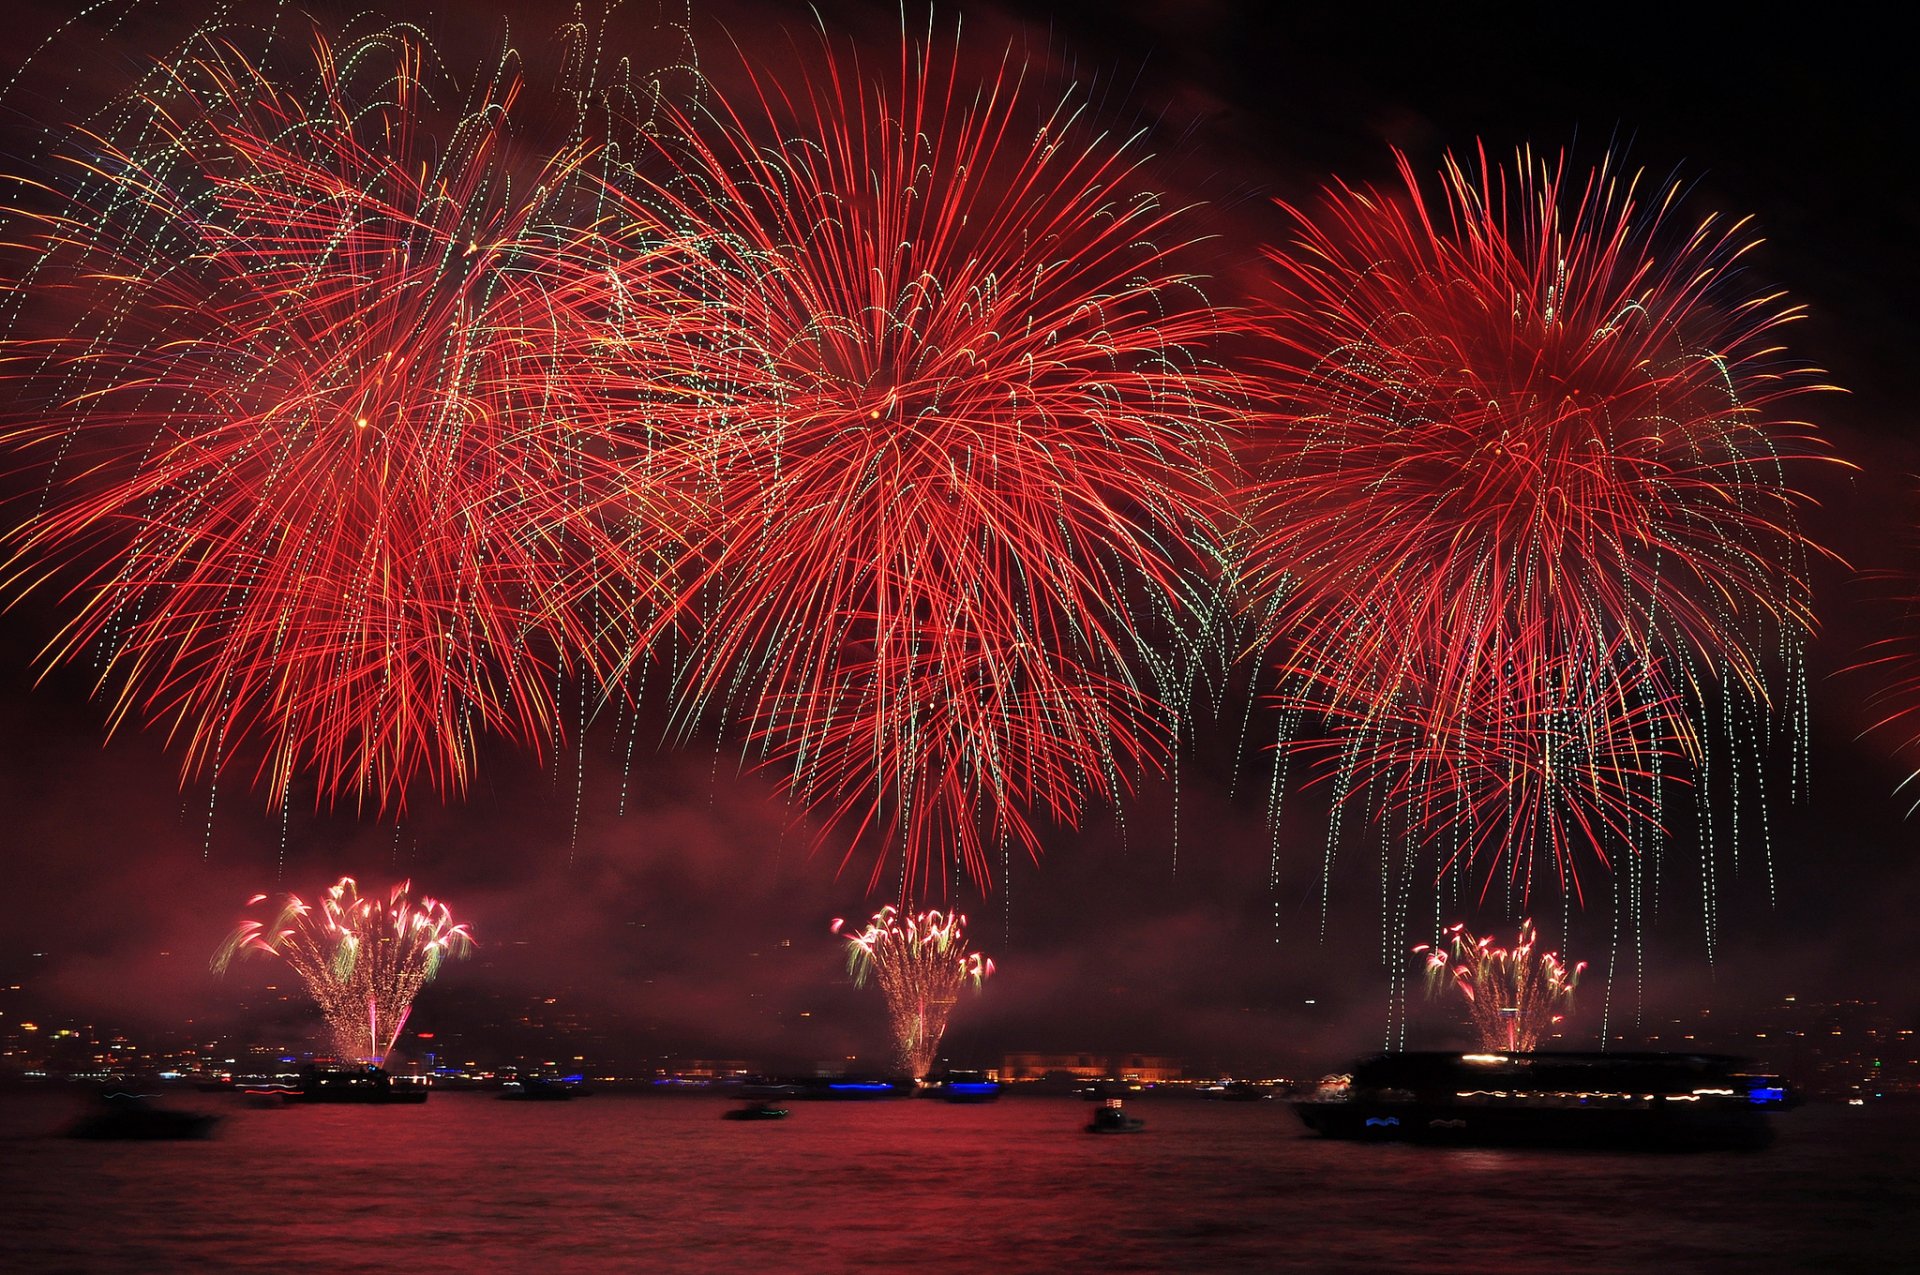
302, 431
1529, 441
958, 433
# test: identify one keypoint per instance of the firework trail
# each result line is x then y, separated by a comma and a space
1574, 767
363, 960
1528, 508
301, 430
1515, 995
958, 437
921, 962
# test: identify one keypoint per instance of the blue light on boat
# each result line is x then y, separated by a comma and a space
1760, 1095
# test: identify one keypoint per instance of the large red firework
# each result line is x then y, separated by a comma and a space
303, 426
1530, 440
958, 433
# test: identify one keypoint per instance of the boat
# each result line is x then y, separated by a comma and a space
852, 1089
131, 1117
540, 1089
759, 1109
965, 1087
367, 1085
1111, 1117
1625, 1100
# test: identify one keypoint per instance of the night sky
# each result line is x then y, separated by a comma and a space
696, 922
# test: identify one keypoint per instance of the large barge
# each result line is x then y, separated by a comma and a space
367, 1085
1628, 1100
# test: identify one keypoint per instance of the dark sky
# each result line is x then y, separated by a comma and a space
669, 920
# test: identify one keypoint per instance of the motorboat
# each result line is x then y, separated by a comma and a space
132, 1117
1111, 1117
540, 1089
758, 1109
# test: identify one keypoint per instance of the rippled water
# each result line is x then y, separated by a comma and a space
663, 1184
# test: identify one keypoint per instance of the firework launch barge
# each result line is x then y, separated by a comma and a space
1635, 1100
370, 1085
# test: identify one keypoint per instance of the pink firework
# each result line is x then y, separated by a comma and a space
1515, 996
364, 960
922, 963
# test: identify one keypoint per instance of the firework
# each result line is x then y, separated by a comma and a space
1576, 767
301, 430
957, 433
1515, 995
363, 960
1530, 485
921, 962
1893, 662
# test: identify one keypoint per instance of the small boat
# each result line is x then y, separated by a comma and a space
538, 1089
756, 1110
1653, 1101
131, 1117
1111, 1117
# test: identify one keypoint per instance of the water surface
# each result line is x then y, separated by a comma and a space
468, 1183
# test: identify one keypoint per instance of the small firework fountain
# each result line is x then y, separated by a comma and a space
362, 959
921, 962
1516, 994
